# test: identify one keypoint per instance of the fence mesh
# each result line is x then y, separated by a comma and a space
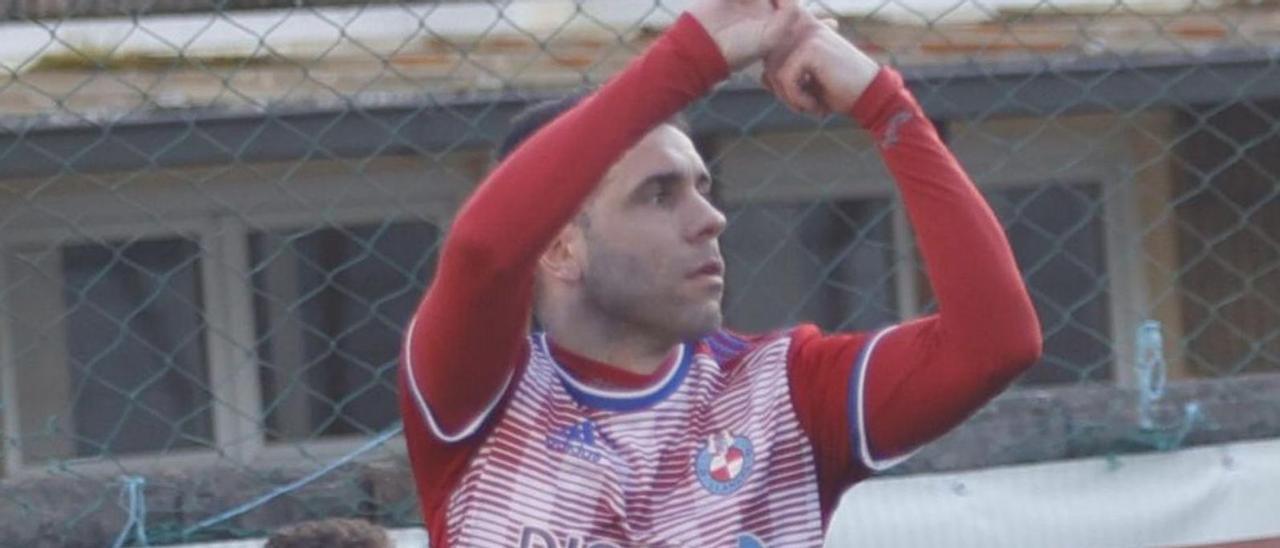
216, 218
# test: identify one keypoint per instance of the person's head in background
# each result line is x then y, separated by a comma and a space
330, 533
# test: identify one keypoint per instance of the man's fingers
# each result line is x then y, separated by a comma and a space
830, 22
813, 88
787, 67
790, 79
792, 29
789, 22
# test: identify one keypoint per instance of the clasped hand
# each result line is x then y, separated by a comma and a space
807, 64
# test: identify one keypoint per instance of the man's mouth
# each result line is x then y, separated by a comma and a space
713, 267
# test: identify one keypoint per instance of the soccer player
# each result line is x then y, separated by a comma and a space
630, 417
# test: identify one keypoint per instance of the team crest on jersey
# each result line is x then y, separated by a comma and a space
724, 463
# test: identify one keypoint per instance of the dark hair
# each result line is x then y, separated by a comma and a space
532, 118
330, 533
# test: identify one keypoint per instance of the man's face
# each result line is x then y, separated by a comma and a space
652, 257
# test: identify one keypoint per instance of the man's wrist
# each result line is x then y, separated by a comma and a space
865, 69
869, 108
694, 43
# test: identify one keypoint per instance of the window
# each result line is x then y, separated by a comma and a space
1228, 227
1064, 191
816, 233
1056, 232
135, 345
130, 375
811, 234
329, 307
212, 314
828, 263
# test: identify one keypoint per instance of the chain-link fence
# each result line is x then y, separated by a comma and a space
215, 219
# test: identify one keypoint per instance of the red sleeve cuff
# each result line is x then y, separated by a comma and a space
699, 50
871, 110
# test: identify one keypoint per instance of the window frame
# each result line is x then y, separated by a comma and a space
1049, 146
220, 216
1112, 168
223, 217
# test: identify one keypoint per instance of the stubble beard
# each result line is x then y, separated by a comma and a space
622, 290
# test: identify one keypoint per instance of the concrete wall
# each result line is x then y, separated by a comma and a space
66, 509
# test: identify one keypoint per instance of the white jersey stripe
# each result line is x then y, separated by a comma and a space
715, 454
859, 403
467, 429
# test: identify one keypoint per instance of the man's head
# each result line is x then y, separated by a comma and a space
330, 533
643, 253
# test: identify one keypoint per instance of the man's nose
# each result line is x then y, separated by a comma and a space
707, 221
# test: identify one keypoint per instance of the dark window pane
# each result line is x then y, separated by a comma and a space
331, 305
135, 341
1228, 220
1056, 232
829, 263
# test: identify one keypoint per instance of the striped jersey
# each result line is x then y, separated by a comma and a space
734, 441
711, 454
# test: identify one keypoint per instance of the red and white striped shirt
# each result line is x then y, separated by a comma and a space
739, 441
712, 454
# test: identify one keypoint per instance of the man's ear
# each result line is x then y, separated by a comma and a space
563, 259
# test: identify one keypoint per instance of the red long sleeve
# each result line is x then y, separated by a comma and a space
930, 374
469, 331
923, 377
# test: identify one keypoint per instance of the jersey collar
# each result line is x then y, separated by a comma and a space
622, 399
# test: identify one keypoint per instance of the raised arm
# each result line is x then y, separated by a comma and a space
912, 382
468, 333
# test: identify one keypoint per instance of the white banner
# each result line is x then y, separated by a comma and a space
1205, 495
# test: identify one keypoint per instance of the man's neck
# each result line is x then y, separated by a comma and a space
609, 342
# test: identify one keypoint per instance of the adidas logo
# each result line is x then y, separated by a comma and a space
576, 440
